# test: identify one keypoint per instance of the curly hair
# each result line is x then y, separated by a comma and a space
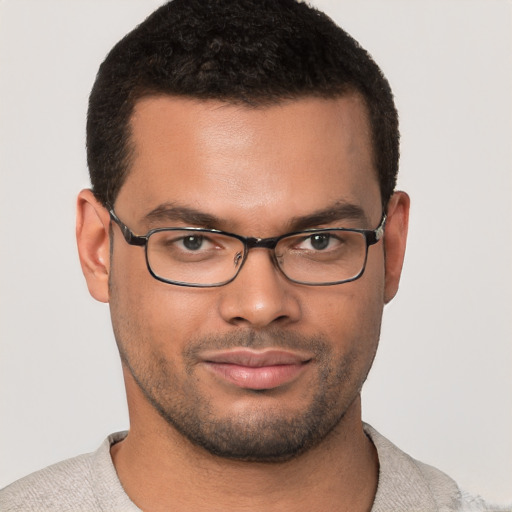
254, 52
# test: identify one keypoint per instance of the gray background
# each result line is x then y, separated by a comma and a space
441, 386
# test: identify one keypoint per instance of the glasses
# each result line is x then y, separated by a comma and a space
200, 257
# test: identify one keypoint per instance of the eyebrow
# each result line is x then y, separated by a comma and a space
338, 211
171, 212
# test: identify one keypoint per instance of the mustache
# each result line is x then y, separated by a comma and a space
271, 338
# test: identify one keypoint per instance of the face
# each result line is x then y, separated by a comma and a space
261, 368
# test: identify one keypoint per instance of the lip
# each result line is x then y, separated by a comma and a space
255, 370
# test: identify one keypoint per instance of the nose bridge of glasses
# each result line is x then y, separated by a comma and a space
261, 243
264, 243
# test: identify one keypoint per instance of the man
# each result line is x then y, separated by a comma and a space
244, 228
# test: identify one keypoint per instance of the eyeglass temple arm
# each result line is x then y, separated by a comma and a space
129, 236
372, 237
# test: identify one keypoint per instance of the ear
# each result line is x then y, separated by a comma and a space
395, 238
92, 235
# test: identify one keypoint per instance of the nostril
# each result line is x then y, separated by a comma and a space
238, 320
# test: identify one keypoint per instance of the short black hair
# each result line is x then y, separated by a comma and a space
255, 52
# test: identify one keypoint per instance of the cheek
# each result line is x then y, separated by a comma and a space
149, 313
349, 314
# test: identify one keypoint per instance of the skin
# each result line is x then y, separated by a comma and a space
254, 170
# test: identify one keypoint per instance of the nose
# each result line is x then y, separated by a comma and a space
260, 295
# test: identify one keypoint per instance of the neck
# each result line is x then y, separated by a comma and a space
161, 470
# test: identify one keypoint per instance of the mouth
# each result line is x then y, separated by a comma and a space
255, 370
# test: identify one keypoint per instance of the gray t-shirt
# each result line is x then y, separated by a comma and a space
89, 483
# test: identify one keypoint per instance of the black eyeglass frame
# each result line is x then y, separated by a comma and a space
372, 236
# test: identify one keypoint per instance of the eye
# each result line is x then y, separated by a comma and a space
176, 246
175, 242
319, 242
193, 242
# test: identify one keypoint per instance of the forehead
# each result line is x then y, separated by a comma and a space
254, 167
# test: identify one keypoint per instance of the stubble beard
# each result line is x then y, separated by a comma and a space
264, 434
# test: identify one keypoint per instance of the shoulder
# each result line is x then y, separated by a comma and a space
56, 487
407, 484
78, 484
